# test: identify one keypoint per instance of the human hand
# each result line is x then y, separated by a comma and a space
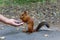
14, 22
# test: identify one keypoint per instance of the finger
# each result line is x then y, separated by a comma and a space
18, 24
16, 21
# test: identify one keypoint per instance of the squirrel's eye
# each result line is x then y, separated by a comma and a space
22, 14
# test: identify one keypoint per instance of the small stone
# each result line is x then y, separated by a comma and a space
17, 28
46, 35
52, 17
43, 20
57, 21
12, 16
7, 15
39, 22
2, 38
23, 27
2, 28
57, 18
33, 17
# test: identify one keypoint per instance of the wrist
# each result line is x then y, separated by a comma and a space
6, 20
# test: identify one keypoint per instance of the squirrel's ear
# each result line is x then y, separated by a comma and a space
25, 12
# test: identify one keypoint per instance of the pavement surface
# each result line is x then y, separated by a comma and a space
11, 33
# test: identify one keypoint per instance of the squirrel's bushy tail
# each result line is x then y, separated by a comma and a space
42, 24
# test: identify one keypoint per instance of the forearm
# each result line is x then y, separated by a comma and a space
3, 19
6, 20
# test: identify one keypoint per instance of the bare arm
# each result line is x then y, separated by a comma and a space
9, 21
3, 19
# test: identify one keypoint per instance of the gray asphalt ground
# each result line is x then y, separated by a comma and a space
11, 33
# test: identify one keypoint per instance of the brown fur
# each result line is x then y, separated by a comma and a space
26, 18
30, 22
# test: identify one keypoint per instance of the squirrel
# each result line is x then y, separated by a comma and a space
30, 22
